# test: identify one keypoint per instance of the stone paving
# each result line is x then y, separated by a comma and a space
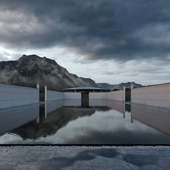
84, 158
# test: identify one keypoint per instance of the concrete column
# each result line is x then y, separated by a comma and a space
45, 93
132, 86
123, 93
38, 86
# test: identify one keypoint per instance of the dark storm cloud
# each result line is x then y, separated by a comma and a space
103, 29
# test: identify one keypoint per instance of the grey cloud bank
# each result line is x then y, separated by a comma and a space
104, 29
108, 41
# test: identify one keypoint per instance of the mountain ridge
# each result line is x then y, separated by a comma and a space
118, 86
29, 70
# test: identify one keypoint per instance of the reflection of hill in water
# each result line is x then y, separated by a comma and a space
54, 121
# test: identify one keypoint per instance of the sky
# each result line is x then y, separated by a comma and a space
108, 41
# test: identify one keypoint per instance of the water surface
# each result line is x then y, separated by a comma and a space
102, 122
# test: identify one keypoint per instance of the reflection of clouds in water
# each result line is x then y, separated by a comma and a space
94, 126
100, 123
10, 138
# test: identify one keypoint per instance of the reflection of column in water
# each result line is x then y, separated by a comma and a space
124, 110
38, 120
131, 119
45, 110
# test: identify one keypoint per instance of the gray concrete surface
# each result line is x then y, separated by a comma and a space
84, 158
12, 96
156, 95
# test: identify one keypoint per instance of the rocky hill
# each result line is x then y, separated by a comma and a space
118, 86
32, 69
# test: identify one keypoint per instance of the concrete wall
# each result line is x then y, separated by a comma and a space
74, 95
54, 95
116, 95
96, 95
11, 96
154, 117
72, 102
157, 95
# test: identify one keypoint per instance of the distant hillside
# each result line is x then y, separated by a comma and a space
32, 69
118, 86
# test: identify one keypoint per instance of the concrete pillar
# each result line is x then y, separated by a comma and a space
123, 93
132, 86
45, 93
38, 86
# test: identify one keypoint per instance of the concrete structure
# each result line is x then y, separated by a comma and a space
156, 95
11, 96
53, 95
85, 88
117, 95
75, 96
45, 93
97, 96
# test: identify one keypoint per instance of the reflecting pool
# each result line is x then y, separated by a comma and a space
101, 122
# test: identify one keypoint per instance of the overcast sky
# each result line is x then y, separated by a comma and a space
109, 41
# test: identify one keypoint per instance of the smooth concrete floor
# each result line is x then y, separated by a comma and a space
84, 158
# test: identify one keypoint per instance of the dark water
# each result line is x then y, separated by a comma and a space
103, 122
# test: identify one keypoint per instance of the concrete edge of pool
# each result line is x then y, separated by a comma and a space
84, 157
